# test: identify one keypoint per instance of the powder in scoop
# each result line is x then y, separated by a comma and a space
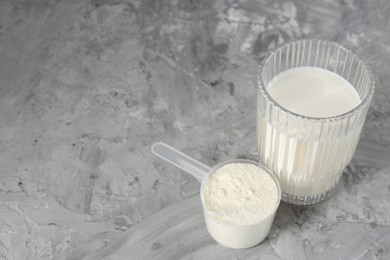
240, 194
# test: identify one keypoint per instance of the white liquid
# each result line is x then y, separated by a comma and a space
308, 157
313, 92
240, 200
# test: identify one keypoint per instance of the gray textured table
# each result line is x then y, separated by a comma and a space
87, 86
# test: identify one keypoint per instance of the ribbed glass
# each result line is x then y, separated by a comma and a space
308, 154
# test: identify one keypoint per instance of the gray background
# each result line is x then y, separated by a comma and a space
86, 87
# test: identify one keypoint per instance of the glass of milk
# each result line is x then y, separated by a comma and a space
312, 102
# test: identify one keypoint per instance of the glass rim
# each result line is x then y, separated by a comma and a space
262, 87
258, 164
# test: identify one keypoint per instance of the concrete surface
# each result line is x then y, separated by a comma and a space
86, 87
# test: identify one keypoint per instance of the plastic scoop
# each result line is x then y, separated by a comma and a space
181, 160
234, 236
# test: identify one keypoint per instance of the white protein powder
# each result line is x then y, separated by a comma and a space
241, 194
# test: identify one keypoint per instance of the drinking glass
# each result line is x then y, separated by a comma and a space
308, 154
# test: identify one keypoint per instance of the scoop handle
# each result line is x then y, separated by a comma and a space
181, 160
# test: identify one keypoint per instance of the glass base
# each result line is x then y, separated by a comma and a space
306, 200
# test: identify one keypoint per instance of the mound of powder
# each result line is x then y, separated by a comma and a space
240, 194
